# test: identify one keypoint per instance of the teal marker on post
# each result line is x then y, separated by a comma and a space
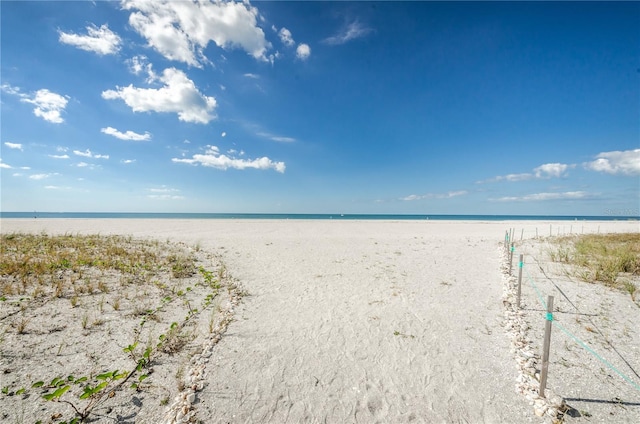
545, 349
520, 264
511, 258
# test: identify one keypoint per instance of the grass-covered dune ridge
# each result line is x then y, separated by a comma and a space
610, 259
104, 326
30, 260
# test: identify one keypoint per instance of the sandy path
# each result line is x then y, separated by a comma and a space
400, 324
354, 321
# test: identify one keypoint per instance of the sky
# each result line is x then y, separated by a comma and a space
320, 107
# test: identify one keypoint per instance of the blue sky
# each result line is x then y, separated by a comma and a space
321, 107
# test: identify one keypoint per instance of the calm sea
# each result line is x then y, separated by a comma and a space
101, 215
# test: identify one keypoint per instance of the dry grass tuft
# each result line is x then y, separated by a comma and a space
28, 260
610, 259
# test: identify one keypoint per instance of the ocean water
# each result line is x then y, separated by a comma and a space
121, 215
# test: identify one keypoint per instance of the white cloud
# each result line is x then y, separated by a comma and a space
456, 193
164, 189
164, 196
5, 165
16, 146
164, 193
52, 187
352, 31
41, 176
128, 161
303, 51
59, 156
224, 134
178, 95
181, 30
127, 135
101, 40
88, 154
82, 164
278, 138
9, 89
136, 64
569, 195
286, 37
213, 158
250, 75
139, 63
412, 197
617, 162
514, 177
447, 195
49, 105
548, 170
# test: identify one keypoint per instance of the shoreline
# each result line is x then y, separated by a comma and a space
609, 216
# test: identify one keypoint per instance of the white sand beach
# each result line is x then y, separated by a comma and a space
373, 321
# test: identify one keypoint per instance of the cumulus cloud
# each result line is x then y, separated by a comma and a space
48, 105
286, 37
181, 30
16, 146
127, 135
128, 161
59, 156
617, 162
89, 154
546, 171
447, 195
178, 95
5, 165
352, 31
101, 40
568, 195
139, 63
213, 158
303, 51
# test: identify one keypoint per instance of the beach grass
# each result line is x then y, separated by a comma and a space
609, 259
58, 264
77, 292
